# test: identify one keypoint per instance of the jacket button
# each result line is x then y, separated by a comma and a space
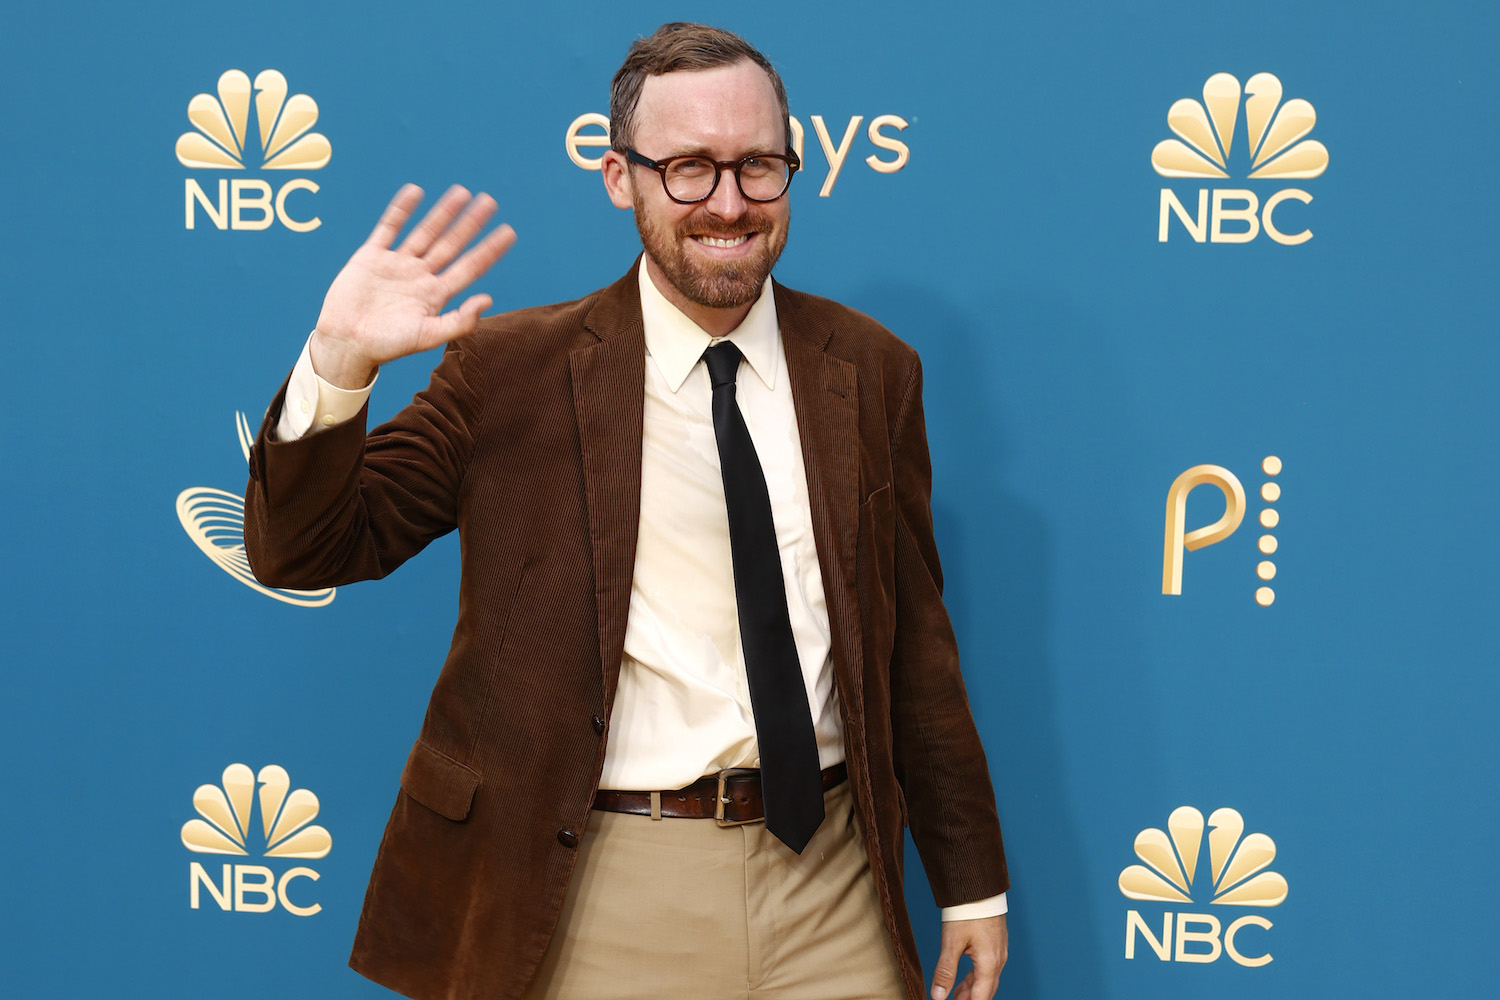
567, 837
599, 724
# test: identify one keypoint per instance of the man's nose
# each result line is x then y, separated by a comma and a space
727, 202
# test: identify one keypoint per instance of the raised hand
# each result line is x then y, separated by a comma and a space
386, 304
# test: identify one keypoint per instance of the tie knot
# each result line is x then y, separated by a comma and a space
723, 361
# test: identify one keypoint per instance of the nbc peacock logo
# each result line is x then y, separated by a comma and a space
1275, 146
215, 520
1236, 876
221, 140
224, 826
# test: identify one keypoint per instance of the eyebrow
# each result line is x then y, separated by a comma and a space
707, 154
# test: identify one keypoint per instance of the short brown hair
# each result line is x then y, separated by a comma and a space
679, 45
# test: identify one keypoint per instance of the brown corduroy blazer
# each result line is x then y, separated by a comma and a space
528, 441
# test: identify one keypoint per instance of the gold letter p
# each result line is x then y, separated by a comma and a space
1176, 541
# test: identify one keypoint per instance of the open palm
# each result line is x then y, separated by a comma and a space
388, 303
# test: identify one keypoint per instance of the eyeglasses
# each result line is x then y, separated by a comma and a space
691, 179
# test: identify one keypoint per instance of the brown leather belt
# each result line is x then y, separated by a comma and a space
732, 797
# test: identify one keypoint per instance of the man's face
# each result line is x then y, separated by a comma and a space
723, 113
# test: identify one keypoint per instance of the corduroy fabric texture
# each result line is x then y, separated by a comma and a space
528, 441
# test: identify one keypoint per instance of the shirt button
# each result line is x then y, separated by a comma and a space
598, 721
304, 406
567, 837
328, 420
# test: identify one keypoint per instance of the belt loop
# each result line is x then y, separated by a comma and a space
656, 805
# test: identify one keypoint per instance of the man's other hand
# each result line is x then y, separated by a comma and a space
386, 304
986, 942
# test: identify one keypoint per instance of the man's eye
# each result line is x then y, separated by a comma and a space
692, 168
756, 167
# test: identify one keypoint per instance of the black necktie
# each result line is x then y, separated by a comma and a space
791, 784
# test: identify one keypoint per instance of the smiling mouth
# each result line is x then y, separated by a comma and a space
715, 241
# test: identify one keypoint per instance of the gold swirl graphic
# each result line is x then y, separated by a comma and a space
215, 520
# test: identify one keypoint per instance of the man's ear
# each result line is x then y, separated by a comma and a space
617, 179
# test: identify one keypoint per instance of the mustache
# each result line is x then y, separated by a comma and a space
701, 223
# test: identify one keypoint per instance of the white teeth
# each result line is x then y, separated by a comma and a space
713, 241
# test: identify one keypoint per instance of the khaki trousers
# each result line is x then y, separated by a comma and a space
684, 908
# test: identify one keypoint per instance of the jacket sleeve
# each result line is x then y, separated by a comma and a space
939, 759
337, 506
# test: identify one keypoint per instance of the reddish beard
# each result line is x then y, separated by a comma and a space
709, 283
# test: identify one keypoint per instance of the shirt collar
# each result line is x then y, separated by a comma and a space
677, 343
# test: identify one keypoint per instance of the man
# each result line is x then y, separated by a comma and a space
694, 519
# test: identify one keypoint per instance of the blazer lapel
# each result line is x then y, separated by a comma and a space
825, 395
609, 400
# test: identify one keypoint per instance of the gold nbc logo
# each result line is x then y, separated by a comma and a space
221, 123
1235, 862
1207, 128
1179, 540
1236, 873
215, 520
221, 140
1276, 146
223, 826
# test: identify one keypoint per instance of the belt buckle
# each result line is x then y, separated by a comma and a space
721, 800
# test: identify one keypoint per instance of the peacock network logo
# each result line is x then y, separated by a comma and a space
215, 520
1275, 146
1236, 877
221, 140
1179, 541
225, 825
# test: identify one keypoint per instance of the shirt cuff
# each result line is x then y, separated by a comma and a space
992, 907
313, 403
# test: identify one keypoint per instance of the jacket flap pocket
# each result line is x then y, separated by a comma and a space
439, 782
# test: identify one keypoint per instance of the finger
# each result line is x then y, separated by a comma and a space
989, 959
467, 269
395, 215
965, 990
458, 235
435, 221
947, 966
984, 979
455, 323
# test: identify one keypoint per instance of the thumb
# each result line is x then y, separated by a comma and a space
454, 323
947, 967
470, 311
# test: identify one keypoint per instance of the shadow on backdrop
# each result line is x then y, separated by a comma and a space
997, 559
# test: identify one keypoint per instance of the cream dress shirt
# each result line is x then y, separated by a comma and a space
682, 708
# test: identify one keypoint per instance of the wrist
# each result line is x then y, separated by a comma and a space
336, 361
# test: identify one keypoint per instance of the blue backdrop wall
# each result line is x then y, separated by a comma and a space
1272, 783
